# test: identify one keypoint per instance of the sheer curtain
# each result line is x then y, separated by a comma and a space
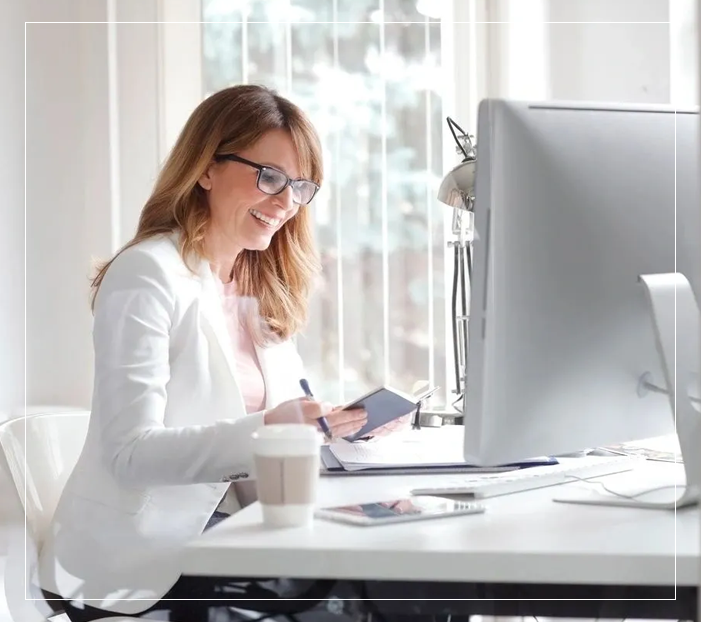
378, 77
370, 74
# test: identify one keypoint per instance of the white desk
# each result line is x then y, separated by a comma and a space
522, 539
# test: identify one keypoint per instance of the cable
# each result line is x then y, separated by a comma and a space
621, 495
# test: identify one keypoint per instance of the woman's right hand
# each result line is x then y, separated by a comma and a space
305, 410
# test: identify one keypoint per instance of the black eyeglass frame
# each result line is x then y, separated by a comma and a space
261, 168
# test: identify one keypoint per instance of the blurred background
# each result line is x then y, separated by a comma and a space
105, 101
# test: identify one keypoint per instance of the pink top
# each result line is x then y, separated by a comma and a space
248, 369
249, 375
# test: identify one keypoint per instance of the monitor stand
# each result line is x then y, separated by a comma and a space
672, 305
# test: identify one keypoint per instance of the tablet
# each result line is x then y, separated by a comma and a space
383, 405
420, 507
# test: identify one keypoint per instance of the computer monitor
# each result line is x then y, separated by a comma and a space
573, 203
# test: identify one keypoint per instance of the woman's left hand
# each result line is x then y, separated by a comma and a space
346, 422
398, 425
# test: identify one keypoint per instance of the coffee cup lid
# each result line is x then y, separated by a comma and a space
288, 432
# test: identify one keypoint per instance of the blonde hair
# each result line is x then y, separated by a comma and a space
279, 278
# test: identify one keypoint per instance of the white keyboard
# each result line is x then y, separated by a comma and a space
494, 484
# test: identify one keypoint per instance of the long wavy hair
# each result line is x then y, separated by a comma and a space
278, 279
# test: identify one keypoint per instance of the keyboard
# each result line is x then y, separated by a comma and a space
495, 484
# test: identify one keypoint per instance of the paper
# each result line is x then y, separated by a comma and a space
439, 447
662, 449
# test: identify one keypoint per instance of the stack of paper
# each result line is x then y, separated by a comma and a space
427, 448
415, 451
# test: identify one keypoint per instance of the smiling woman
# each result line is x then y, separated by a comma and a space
194, 320
209, 199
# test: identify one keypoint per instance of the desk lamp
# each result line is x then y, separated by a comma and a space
457, 190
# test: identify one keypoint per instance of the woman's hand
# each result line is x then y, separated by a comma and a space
398, 425
305, 410
346, 422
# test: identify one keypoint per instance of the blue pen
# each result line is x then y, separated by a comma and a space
322, 420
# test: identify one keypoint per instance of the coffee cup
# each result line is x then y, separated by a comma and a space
287, 464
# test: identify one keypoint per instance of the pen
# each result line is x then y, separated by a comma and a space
322, 420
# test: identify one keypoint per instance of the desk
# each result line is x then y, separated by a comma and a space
524, 546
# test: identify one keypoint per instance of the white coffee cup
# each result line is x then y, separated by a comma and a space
287, 470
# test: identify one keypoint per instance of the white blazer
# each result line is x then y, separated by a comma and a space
168, 430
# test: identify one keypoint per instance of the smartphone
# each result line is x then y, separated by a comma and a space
420, 507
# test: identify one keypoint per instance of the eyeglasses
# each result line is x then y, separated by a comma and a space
272, 181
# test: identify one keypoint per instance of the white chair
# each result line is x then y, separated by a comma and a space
41, 450
40, 461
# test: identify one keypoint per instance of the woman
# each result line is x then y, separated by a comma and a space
178, 388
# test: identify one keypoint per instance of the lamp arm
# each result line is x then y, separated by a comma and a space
457, 190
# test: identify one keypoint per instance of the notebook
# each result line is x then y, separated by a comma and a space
383, 405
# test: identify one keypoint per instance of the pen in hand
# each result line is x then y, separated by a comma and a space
322, 420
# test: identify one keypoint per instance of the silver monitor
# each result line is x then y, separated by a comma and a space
574, 202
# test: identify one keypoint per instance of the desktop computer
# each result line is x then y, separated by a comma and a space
574, 203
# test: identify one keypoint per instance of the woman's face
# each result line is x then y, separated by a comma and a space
242, 216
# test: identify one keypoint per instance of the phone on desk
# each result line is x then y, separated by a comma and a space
420, 507
383, 405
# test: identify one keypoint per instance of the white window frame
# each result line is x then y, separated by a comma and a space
684, 53
180, 76
499, 49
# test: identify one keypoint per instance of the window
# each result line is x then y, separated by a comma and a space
372, 87
377, 78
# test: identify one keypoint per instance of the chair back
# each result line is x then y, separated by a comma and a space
41, 451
